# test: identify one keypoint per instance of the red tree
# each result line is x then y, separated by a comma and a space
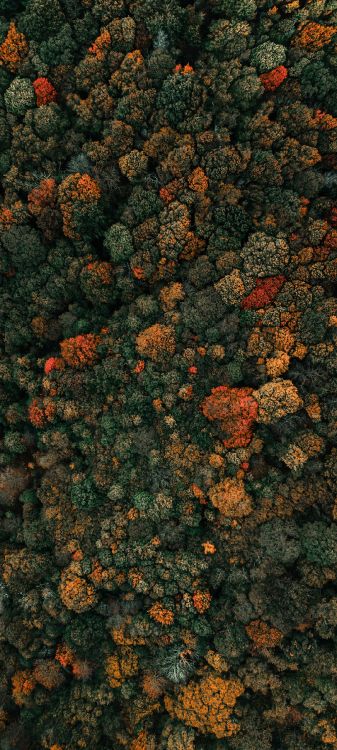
264, 293
44, 91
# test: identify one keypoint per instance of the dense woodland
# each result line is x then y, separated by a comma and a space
168, 374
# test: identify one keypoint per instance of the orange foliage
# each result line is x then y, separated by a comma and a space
64, 655
13, 49
313, 408
183, 70
198, 180
236, 410
231, 498
166, 195
172, 294
193, 247
153, 685
314, 35
206, 705
143, 742
23, 684
161, 614
82, 670
209, 548
324, 120
100, 45
41, 412
42, 203
198, 493
216, 661
48, 673
101, 269
6, 218
76, 188
36, 414
277, 365
43, 195
138, 272
155, 341
80, 350
75, 592
276, 399
329, 736
263, 635
121, 666
202, 601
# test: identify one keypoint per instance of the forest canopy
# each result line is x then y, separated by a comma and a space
168, 374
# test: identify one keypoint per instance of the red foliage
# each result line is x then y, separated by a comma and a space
139, 366
236, 409
138, 272
53, 363
45, 195
333, 217
40, 412
42, 203
273, 79
36, 414
264, 293
183, 70
80, 350
44, 91
102, 270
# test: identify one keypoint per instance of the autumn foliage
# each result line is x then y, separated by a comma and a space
264, 293
156, 341
235, 409
76, 190
44, 91
273, 79
207, 705
168, 378
80, 351
14, 49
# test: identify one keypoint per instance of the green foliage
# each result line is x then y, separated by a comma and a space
84, 495
118, 243
168, 241
268, 55
319, 543
41, 19
19, 96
